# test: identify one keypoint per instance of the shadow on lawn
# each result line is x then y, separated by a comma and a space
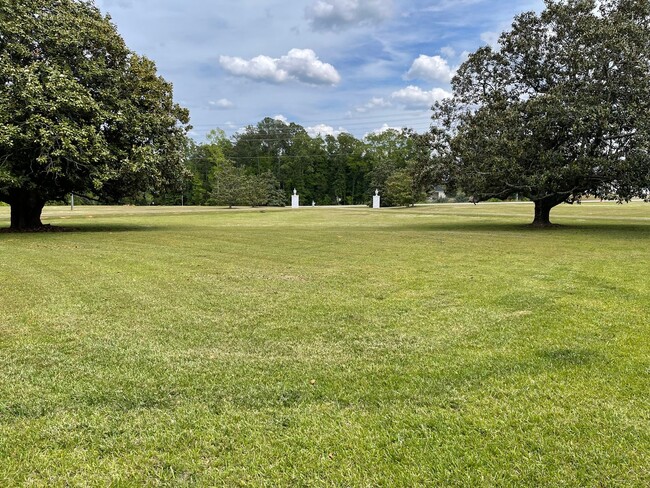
87, 228
111, 228
633, 229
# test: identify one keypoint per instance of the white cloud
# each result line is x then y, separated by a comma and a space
281, 118
340, 14
383, 129
376, 102
324, 130
448, 51
432, 68
298, 65
414, 97
304, 65
222, 104
261, 68
491, 39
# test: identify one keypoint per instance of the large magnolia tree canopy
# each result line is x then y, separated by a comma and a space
79, 112
559, 111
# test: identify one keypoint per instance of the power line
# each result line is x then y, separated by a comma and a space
388, 118
274, 137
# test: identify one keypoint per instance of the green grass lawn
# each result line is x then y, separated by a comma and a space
446, 345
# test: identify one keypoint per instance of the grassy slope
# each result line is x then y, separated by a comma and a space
450, 345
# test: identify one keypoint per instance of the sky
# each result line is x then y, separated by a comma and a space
332, 66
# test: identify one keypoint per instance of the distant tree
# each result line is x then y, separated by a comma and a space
202, 160
230, 186
256, 190
263, 190
297, 162
79, 112
395, 152
348, 168
559, 111
401, 190
261, 147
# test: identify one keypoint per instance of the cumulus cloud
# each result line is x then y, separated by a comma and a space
432, 68
281, 118
222, 104
376, 102
324, 130
414, 97
324, 15
383, 129
298, 65
261, 68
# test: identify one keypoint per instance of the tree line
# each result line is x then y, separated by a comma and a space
262, 165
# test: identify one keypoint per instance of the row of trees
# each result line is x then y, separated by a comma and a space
264, 163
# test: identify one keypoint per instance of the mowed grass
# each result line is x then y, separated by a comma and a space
446, 345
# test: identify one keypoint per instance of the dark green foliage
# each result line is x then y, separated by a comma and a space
203, 160
560, 111
400, 189
79, 111
275, 157
230, 186
394, 155
263, 190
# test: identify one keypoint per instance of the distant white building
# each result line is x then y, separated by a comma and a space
438, 193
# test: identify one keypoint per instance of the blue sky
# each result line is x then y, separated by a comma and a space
329, 65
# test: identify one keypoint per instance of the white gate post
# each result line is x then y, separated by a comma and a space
376, 200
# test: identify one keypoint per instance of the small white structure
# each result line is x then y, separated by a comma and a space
313, 203
376, 200
295, 199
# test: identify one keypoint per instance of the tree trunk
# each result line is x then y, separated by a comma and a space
26, 208
543, 211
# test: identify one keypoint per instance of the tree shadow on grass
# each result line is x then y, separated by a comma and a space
633, 229
88, 228
112, 228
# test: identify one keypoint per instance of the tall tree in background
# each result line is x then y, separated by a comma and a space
230, 186
261, 147
560, 111
348, 169
399, 189
393, 151
79, 111
203, 160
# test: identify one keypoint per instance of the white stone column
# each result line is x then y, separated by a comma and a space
376, 200
295, 199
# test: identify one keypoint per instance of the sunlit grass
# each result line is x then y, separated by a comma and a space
446, 345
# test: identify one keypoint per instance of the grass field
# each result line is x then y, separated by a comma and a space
446, 345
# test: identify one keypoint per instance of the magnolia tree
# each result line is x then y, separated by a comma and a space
560, 110
79, 112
